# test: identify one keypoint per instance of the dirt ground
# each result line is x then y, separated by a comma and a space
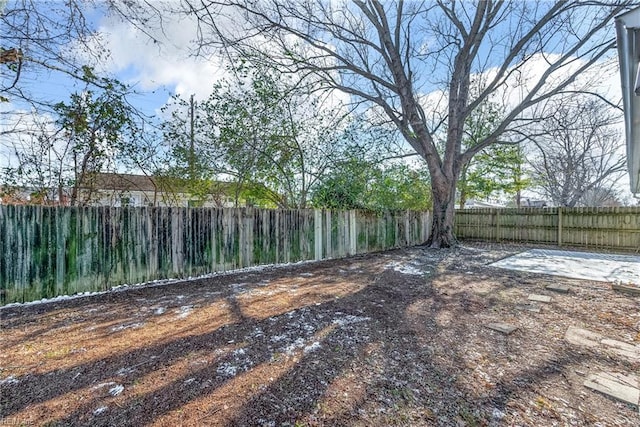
394, 338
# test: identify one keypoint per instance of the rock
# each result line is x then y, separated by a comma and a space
504, 328
539, 298
558, 288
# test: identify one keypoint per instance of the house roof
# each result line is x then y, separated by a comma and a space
133, 182
121, 182
628, 36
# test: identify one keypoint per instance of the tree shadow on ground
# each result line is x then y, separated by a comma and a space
41, 388
392, 352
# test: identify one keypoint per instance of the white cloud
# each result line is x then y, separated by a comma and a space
167, 63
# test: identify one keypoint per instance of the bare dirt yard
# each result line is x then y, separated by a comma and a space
394, 338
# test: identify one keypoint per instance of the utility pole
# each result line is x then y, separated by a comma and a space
192, 154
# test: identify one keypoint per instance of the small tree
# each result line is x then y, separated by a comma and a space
98, 128
93, 131
495, 171
35, 161
267, 133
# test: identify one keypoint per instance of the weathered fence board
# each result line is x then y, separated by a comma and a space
597, 228
50, 251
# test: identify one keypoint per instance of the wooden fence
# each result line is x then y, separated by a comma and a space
594, 228
50, 251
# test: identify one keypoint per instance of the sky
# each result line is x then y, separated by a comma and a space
159, 70
155, 70
167, 67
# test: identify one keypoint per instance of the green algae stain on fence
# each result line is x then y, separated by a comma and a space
50, 251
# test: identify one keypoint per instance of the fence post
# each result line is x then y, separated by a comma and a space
317, 232
353, 247
497, 225
559, 226
247, 242
328, 230
61, 225
426, 227
407, 229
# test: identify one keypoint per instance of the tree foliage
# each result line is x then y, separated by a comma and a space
497, 170
98, 128
368, 184
270, 136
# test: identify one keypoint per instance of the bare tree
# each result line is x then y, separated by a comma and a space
38, 155
58, 155
46, 40
602, 197
578, 152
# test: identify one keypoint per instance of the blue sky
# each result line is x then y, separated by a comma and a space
155, 71
158, 70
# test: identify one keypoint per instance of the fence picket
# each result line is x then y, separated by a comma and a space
594, 228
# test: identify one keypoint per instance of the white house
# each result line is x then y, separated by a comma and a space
116, 189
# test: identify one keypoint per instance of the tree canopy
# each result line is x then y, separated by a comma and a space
261, 130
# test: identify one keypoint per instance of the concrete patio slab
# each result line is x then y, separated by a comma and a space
577, 265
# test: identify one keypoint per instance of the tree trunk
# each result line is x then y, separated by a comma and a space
463, 186
444, 191
463, 197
